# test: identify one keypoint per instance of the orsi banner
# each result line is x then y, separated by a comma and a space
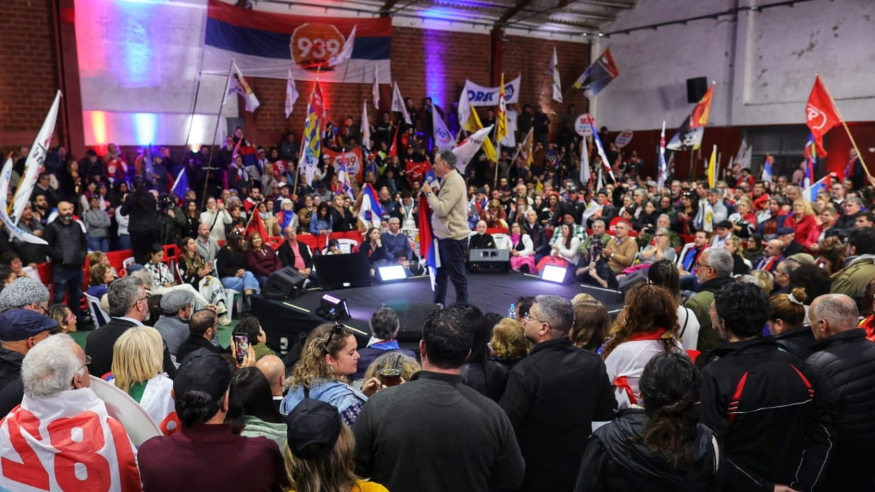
488, 96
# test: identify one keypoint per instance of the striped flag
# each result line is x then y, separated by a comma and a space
370, 211
501, 121
312, 148
343, 177
767, 168
601, 150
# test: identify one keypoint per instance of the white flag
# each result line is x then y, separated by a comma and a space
376, 90
464, 109
443, 139
291, 94
509, 140
237, 84
554, 73
398, 104
34, 163
744, 153
584, 163
345, 52
466, 150
662, 171
366, 128
13, 229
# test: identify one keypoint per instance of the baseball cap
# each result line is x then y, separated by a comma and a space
786, 230
282, 184
312, 428
21, 324
175, 300
23, 291
209, 373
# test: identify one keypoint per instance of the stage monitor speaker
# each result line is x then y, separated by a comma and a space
411, 316
489, 260
696, 89
282, 283
343, 271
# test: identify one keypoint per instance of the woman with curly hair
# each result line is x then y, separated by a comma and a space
327, 360
647, 326
661, 447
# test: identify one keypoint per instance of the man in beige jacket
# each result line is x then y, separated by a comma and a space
621, 250
449, 223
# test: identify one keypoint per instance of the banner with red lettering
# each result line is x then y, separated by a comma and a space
353, 161
66, 442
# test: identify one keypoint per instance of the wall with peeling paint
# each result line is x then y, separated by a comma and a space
763, 62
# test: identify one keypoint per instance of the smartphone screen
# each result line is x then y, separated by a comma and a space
241, 342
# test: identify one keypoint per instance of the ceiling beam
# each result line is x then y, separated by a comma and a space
608, 3
520, 5
387, 8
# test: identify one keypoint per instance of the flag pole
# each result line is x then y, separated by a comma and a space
847, 130
216, 132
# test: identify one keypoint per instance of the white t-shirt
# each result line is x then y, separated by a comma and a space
688, 328
628, 360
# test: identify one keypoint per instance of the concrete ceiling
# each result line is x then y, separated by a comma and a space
580, 17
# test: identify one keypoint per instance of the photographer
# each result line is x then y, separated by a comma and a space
171, 219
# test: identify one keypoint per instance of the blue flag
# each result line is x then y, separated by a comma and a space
180, 186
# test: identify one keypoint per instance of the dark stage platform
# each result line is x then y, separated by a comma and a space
284, 320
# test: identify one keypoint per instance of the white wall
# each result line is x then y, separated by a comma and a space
763, 62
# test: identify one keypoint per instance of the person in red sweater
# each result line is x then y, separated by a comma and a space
803, 221
261, 258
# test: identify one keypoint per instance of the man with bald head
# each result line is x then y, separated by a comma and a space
274, 370
67, 247
772, 256
842, 371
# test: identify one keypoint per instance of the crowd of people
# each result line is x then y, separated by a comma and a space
741, 360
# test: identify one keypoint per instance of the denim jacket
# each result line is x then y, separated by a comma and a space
344, 397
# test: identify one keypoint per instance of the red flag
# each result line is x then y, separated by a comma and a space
393, 149
256, 225
821, 114
425, 235
702, 111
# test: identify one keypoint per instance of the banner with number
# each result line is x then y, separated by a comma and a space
66, 442
264, 44
353, 161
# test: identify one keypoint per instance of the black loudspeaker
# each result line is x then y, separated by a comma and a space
696, 89
489, 260
412, 316
283, 283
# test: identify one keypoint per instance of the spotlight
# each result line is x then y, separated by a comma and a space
332, 308
553, 273
391, 273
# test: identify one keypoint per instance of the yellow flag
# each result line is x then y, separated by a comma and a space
472, 126
501, 122
712, 169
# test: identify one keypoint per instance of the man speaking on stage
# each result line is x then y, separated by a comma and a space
449, 222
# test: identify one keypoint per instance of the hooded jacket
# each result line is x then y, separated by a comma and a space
616, 458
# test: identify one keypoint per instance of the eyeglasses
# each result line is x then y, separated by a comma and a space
70, 318
659, 235
529, 316
146, 298
699, 264
87, 361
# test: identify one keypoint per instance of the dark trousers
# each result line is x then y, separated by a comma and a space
452, 255
64, 278
142, 242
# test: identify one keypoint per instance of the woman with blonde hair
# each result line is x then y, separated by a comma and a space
138, 370
319, 451
509, 343
766, 279
328, 359
804, 222
647, 326
591, 327
787, 322
393, 360
65, 318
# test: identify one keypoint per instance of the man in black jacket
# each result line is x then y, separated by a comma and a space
433, 432
754, 395
67, 247
553, 396
841, 448
203, 327
129, 308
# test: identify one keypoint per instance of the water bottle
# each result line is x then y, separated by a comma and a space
511, 311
